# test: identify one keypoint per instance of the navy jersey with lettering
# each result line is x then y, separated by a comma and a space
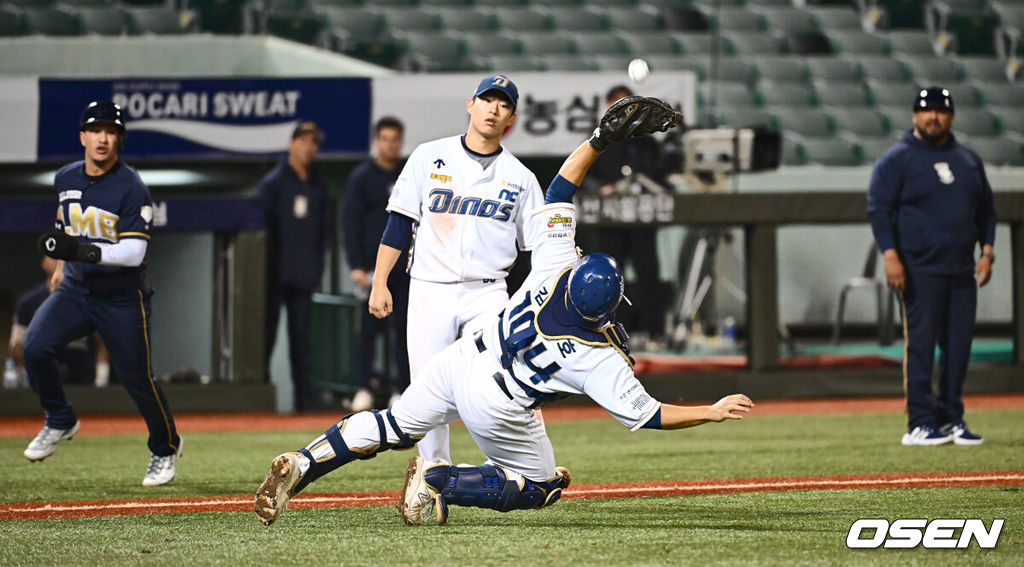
106, 209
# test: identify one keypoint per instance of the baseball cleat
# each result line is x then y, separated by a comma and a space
273, 495
46, 441
926, 435
161, 469
962, 435
421, 503
566, 477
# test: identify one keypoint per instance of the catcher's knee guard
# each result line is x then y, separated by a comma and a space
492, 487
330, 451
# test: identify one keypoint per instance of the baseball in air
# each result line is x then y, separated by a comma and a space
638, 70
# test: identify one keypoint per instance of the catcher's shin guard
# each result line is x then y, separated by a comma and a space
330, 450
492, 487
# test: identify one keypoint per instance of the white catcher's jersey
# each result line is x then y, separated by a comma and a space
543, 355
471, 220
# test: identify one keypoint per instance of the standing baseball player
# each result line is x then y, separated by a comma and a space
470, 198
554, 337
101, 239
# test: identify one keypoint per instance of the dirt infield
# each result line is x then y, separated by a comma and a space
97, 508
115, 424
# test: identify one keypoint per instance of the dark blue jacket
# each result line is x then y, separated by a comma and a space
366, 200
296, 234
932, 204
106, 208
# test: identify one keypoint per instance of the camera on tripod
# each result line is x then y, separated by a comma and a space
712, 156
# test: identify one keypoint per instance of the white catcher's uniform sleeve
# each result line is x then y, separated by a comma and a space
407, 195
613, 385
554, 231
533, 197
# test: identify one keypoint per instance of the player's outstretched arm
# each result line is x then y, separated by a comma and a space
380, 304
734, 406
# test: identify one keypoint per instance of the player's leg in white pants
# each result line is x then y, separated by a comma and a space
437, 313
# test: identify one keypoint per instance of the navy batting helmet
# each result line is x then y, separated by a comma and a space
934, 97
100, 112
595, 289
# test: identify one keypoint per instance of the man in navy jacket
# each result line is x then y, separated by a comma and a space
930, 204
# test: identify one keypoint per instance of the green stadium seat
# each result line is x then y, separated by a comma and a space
902, 13
450, 3
909, 42
747, 117
301, 28
666, 62
293, 6
832, 151
759, 3
976, 122
10, 22
545, 43
599, 43
394, 3
400, 20
636, 19
732, 69
512, 62
32, 3
786, 94
1001, 94
737, 95
352, 27
50, 21
967, 96
845, 95
611, 62
787, 19
893, 94
899, 117
466, 19
161, 20
808, 43
425, 51
650, 43
576, 20
1011, 119
780, 68
872, 147
488, 43
735, 19
566, 62
501, 3
969, 24
559, 3
218, 16
813, 123
934, 70
629, 4
350, 4
884, 69
986, 69
833, 69
858, 43
833, 18
522, 20
697, 44
998, 150
746, 45
104, 20
687, 19
793, 152
859, 121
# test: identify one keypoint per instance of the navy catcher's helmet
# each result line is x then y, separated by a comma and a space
595, 289
104, 112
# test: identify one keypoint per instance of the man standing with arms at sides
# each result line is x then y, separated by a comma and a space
470, 198
366, 199
297, 211
930, 205
102, 236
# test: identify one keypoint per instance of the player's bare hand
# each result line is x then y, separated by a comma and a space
380, 301
733, 406
983, 271
360, 277
895, 276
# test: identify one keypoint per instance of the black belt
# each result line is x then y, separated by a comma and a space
499, 378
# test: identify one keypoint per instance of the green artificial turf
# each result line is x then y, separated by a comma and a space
777, 528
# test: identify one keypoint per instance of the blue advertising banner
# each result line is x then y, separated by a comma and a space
208, 118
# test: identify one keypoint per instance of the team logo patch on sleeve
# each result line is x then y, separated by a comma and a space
440, 177
146, 213
559, 221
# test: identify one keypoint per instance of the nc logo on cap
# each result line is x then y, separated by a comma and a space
500, 81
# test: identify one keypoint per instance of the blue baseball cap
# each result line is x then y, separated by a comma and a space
499, 83
934, 97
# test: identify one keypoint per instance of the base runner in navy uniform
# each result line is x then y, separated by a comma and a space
102, 236
931, 206
554, 337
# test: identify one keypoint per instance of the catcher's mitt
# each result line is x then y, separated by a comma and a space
632, 117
